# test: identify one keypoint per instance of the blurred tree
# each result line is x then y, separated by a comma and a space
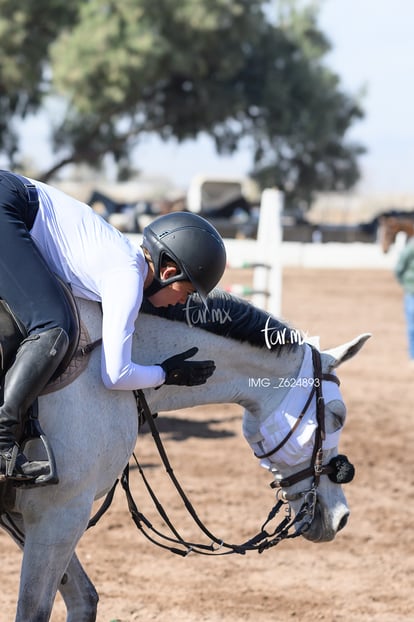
26, 31
222, 67
300, 135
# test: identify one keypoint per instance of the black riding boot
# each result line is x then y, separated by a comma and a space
37, 359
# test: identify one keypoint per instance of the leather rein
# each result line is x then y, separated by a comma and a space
338, 469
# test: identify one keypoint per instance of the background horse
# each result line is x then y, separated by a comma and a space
93, 432
390, 227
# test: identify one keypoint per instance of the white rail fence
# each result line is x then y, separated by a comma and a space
268, 255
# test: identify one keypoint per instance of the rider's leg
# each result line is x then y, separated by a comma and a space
37, 359
36, 298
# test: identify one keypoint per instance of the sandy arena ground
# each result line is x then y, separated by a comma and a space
365, 575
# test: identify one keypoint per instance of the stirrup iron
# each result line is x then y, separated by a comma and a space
34, 432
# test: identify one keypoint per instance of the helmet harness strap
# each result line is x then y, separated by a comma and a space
154, 287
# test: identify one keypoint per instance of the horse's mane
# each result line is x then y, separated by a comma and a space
229, 316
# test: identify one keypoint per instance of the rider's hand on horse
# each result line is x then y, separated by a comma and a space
190, 373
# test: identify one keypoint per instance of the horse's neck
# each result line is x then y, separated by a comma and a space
245, 374
408, 229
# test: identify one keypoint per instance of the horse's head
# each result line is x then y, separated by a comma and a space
299, 441
389, 227
252, 350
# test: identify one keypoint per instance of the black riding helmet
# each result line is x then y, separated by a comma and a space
193, 244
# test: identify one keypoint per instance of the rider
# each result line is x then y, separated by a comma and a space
43, 233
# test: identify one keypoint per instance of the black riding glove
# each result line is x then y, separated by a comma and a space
189, 373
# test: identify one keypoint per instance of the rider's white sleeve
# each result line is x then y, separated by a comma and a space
121, 300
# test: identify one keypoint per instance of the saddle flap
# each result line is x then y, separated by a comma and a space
12, 333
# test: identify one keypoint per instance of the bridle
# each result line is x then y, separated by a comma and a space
339, 470
316, 468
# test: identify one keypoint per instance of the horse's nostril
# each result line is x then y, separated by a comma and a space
343, 522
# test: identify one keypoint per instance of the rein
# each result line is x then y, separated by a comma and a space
339, 470
259, 542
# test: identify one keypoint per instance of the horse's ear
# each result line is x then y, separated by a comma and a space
343, 353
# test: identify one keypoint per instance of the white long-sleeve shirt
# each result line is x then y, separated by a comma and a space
100, 264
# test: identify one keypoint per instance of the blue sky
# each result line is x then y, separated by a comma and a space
373, 48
